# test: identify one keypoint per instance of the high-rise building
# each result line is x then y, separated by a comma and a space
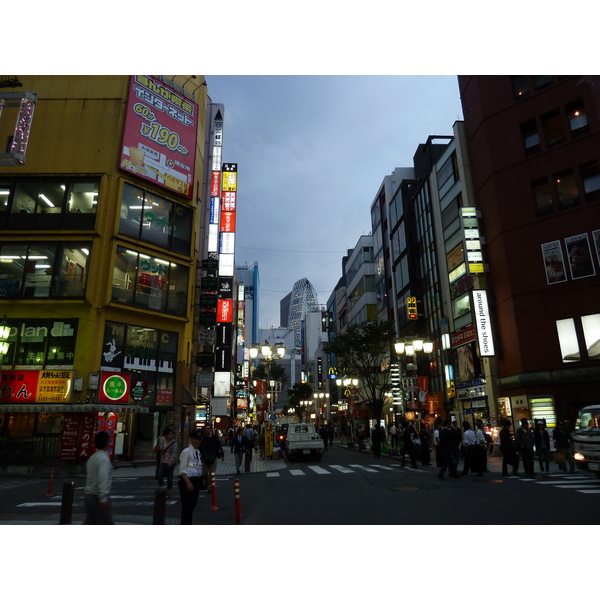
304, 298
99, 216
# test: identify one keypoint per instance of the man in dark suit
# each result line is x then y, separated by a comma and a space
240, 446
447, 448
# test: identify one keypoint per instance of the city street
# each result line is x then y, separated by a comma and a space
348, 487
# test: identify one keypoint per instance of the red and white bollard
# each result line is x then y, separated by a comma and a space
238, 510
213, 486
51, 482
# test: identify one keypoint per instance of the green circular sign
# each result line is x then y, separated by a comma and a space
115, 387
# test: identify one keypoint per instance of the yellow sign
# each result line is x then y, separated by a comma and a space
268, 439
476, 268
411, 305
54, 386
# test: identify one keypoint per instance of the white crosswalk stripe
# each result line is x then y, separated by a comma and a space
382, 467
297, 472
578, 483
363, 468
319, 470
341, 469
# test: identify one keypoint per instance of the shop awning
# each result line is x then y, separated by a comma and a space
74, 408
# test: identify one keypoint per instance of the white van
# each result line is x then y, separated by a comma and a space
586, 439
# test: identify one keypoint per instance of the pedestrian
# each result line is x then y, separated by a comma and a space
525, 442
324, 435
469, 443
230, 436
239, 447
376, 441
425, 445
98, 482
457, 433
394, 436
210, 450
482, 447
562, 440
436, 442
168, 454
331, 433
509, 450
249, 437
190, 477
447, 450
408, 437
542, 446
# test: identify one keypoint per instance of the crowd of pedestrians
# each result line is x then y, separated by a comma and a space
452, 445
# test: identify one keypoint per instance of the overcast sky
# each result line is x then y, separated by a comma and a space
312, 152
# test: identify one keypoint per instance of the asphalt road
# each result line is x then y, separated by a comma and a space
345, 488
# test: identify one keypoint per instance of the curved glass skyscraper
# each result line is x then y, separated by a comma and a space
304, 298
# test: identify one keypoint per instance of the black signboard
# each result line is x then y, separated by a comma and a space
208, 301
210, 264
209, 284
225, 287
207, 318
224, 334
205, 360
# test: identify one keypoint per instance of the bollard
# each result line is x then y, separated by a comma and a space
160, 506
238, 510
213, 485
51, 482
66, 505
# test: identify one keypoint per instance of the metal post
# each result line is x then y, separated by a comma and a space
213, 485
236, 493
51, 482
160, 506
66, 505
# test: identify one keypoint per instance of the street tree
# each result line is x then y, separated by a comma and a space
364, 351
298, 393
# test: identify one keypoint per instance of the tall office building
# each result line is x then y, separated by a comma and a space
534, 146
304, 298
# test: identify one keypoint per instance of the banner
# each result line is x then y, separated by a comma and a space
159, 138
36, 386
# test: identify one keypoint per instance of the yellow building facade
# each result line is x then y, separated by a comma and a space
99, 231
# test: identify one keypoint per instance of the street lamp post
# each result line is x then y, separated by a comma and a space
410, 349
345, 382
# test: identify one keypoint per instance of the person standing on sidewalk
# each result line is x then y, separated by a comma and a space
525, 443
482, 446
447, 449
249, 437
211, 450
376, 441
168, 459
190, 478
469, 442
509, 451
542, 446
98, 482
562, 440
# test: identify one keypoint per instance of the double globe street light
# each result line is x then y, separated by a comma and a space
410, 349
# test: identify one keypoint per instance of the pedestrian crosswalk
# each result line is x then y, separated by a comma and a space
584, 484
344, 469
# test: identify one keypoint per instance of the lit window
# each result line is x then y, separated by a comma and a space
567, 339
578, 122
531, 137
590, 175
591, 332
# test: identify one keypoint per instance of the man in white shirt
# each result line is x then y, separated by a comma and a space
470, 444
190, 478
98, 483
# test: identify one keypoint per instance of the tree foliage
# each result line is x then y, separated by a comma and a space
300, 391
364, 351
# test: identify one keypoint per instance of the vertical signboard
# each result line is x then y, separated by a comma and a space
159, 138
483, 323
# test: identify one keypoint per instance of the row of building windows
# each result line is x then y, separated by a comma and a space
44, 269
565, 189
571, 118
60, 203
48, 202
524, 85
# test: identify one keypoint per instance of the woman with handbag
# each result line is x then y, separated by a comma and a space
168, 459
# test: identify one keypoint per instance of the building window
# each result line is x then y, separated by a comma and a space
578, 123
44, 270
591, 333
531, 137
554, 129
149, 282
146, 216
541, 81
542, 197
520, 86
49, 202
590, 175
566, 189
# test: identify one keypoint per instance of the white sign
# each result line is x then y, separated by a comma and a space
482, 323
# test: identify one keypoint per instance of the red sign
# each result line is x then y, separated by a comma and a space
228, 201
159, 138
108, 422
114, 387
225, 311
86, 441
215, 187
423, 390
36, 386
261, 392
227, 222
164, 397
462, 336
68, 443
